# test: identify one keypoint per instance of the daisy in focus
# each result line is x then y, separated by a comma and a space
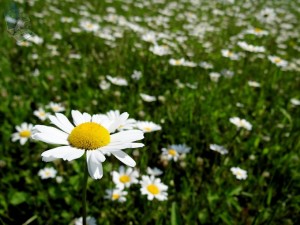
91, 135
239, 173
153, 188
124, 178
174, 152
48, 172
241, 123
24, 132
116, 195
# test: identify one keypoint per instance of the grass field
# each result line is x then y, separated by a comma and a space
220, 78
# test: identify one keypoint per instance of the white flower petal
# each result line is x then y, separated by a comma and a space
77, 117
127, 136
124, 158
54, 132
57, 123
87, 117
61, 152
94, 165
50, 139
65, 122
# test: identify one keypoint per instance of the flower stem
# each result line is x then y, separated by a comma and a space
85, 178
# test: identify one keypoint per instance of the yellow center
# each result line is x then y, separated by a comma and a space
124, 178
147, 129
115, 196
229, 53
178, 62
89, 136
172, 152
257, 30
89, 25
25, 134
153, 189
277, 60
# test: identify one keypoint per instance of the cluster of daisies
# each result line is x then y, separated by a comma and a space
150, 184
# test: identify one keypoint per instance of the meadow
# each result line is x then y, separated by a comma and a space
213, 86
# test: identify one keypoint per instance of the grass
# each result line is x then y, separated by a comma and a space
202, 190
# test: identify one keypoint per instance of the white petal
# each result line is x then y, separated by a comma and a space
127, 136
54, 132
50, 139
62, 152
97, 154
124, 158
48, 159
87, 117
94, 165
57, 123
23, 141
77, 117
65, 122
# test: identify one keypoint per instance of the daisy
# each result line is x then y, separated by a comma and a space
218, 148
214, 76
124, 122
23, 134
153, 188
116, 195
47, 173
229, 54
89, 221
124, 178
89, 26
278, 61
41, 114
56, 107
177, 62
117, 80
147, 126
148, 98
154, 171
104, 85
160, 50
136, 75
253, 84
257, 32
175, 151
91, 134
241, 123
250, 48
239, 173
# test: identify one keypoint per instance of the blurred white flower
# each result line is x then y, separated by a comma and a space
117, 80
154, 171
148, 98
116, 195
147, 126
241, 123
218, 148
153, 188
48, 172
239, 173
24, 132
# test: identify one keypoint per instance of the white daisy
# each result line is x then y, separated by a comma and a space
154, 171
41, 114
278, 61
117, 80
239, 173
122, 119
24, 133
147, 98
177, 62
56, 107
48, 172
124, 178
229, 54
153, 188
241, 123
175, 151
253, 83
116, 195
91, 134
214, 76
147, 126
89, 26
218, 148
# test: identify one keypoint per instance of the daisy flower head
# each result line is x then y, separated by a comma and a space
154, 171
229, 54
239, 173
241, 123
56, 107
41, 114
147, 98
175, 151
153, 188
278, 61
116, 195
119, 81
124, 178
92, 135
46, 173
122, 119
24, 132
89, 26
89, 221
218, 148
147, 126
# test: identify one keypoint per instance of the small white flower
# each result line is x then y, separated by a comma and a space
177, 62
160, 50
116, 195
239, 173
218, 148
117, 80
56, 107
175, 152
295, 101
24, 132
104, 85
41, 114
229, 54
136, 75
59, 179
147, 126
89, 26
253, 84
250, 48
241, 123
48, 172
124, 178
153, 188
278, 61
148, 98
214, 76
154, 171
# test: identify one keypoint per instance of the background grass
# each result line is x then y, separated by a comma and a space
202, 190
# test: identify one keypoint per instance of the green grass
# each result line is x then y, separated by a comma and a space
202, 190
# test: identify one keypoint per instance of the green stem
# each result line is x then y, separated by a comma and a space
85, 178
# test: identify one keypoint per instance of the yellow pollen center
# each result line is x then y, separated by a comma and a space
172, 152
89, 136
177, 62
230, 53
153, 189
124, 178
115, 196
25, 133
89, 25
277, 60
147, 129
257, 30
